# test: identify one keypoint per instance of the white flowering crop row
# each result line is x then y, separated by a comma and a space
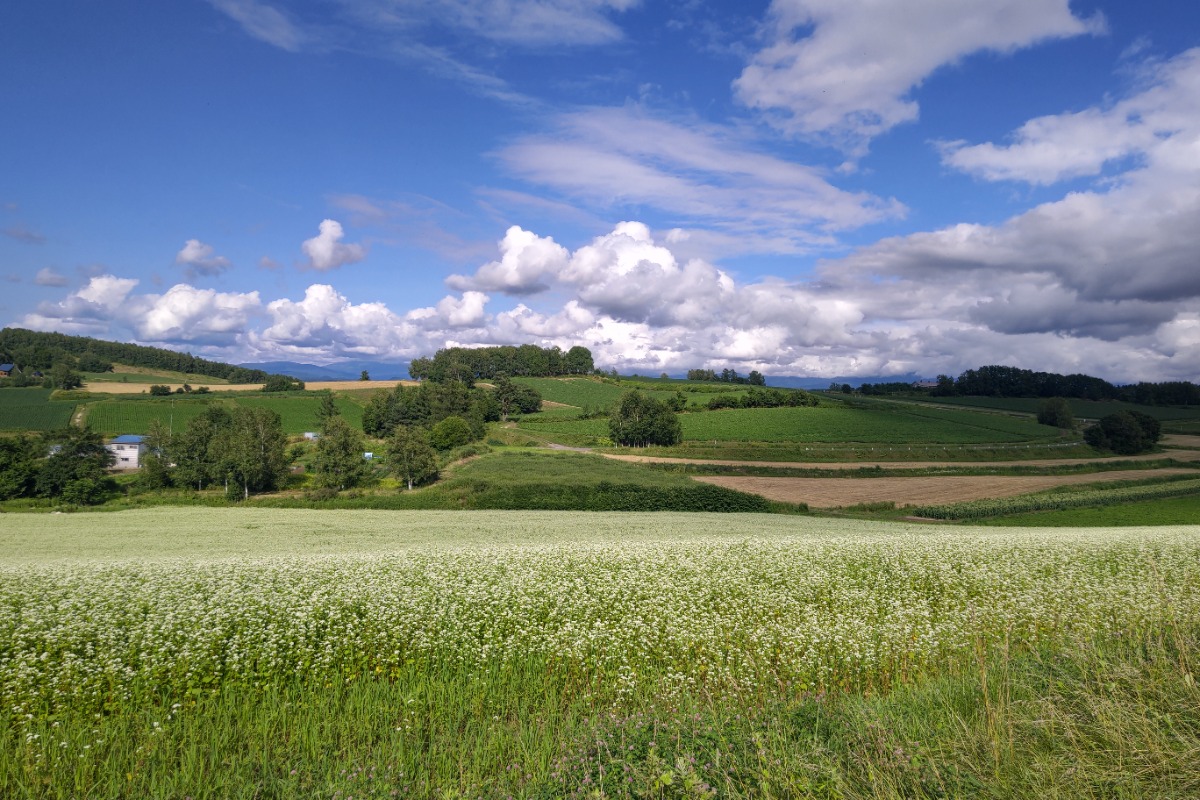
668, 603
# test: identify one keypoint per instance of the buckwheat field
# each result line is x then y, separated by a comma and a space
136, 647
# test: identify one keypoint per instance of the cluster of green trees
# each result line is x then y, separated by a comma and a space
998, 381
467, 364
764, 398
639, 420
428, 404
67, 464
876, 389
243, 449
1125, 433
40, 351
755, 378
1056, 411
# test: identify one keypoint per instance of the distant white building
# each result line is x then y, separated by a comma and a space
128, 450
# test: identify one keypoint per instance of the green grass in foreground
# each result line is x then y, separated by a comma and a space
267, 654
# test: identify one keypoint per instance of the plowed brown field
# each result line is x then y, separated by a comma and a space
834, 492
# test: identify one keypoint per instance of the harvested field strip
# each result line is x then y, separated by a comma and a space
839, 492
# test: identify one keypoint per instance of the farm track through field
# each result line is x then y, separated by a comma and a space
925, 490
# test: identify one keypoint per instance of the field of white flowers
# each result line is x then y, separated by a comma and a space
98, 611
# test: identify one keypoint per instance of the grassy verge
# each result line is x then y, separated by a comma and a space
1094, 719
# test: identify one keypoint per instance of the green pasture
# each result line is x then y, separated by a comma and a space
832, 424
152, 378
592, 393
299, 410
1082, 409
30, 409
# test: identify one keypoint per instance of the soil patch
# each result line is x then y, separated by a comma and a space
1179, 455
834, 492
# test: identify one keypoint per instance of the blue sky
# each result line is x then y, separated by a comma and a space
803, 187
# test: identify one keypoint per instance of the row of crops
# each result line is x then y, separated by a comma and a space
1057, 501
28, 409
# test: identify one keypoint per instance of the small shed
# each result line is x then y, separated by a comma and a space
6, 370
128, 449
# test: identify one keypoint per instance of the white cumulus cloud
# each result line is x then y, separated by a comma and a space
526, 261
326, 251
199, 258
187, 314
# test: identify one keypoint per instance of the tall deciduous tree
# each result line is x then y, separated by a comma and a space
639, 420
255, 446
327, 410
76, 463
154, 472
339, 463
1056, 411
409, 456
198, 452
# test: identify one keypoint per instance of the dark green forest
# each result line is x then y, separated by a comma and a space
35, 350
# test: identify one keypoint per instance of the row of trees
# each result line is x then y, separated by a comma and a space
755, 378
763, 398
467, 364
999, 381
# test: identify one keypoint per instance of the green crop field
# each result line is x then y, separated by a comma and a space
1159, 511
876, 424
128, 415
592, 393
27, 409
133, 415
299, 411
210, 653
1082, 409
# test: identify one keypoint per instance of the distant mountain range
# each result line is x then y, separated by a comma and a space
343, 371
387, 371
